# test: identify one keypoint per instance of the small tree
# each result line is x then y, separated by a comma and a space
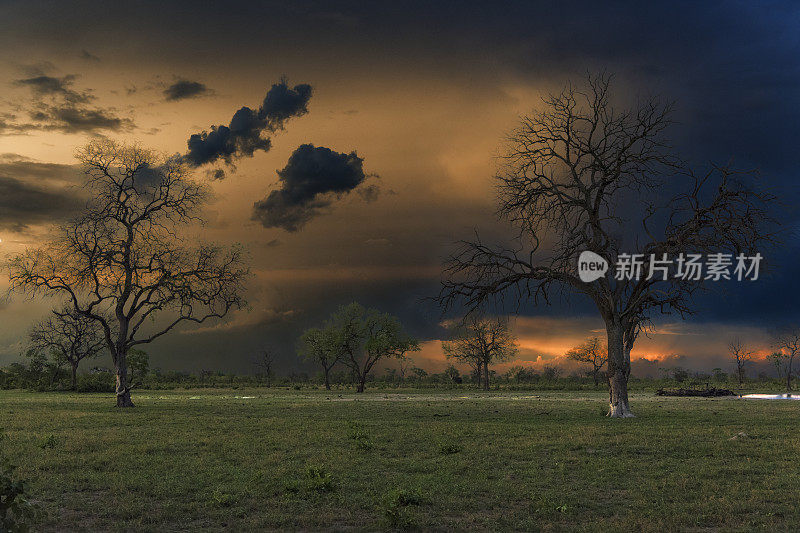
263, 362
741, 356
551, 373
323, 346
43, 370
593, 352
404, 363
69, 337
787, 340
719, 375
452, 372
367, 336
122, 264
482, 342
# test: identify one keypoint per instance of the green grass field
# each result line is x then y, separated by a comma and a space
285, 459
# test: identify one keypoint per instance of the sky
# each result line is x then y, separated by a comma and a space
405, 104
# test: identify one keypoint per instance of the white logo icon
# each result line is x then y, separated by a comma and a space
591, 266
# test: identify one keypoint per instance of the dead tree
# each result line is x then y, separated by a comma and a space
480, 343
584, 175
741, 356
122, 263
70, 337
264, 362
787, 340
593, 352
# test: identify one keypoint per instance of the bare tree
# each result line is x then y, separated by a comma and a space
480, 343
263, 362
741, 356
403, 363
580, 176
122, 262
593, 352
787, 340
69, 336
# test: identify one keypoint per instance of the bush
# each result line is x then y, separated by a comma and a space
449, 449
100, 382
319, 480
16, 512
48, 442
395, 505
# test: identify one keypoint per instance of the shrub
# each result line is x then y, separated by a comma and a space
395, 505
449, 449
100, 382
362, 438
49, 441
17, 514
221, 499
319, 480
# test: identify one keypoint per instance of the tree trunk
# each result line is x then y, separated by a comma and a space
361, 381
123, 389
485, 375
74, 376
327, 379
619, 369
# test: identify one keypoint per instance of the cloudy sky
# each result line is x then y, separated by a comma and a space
404, 105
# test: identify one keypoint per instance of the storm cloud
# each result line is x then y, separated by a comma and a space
79, 119
56, 106
51, 86
313, 177
32, 192
245, 133
183, 89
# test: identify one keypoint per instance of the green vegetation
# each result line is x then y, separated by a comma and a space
438, 459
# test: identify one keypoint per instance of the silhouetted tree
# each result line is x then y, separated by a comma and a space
572, 179
741, 356
480, 343
367, 336
264, 362
787, 340
122, 262
324, 346
69, 337
453, 374
593, 352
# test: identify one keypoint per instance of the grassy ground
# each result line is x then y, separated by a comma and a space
286, 459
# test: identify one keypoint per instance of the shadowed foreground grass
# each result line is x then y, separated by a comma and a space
278, 459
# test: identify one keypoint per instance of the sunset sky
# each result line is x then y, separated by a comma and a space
424, 95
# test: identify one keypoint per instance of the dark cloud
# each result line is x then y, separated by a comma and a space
88, 56
217, 174
35, 193
78, 119
58, 107
244, 135
312, 178
369, 193
183, 89
43, 85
